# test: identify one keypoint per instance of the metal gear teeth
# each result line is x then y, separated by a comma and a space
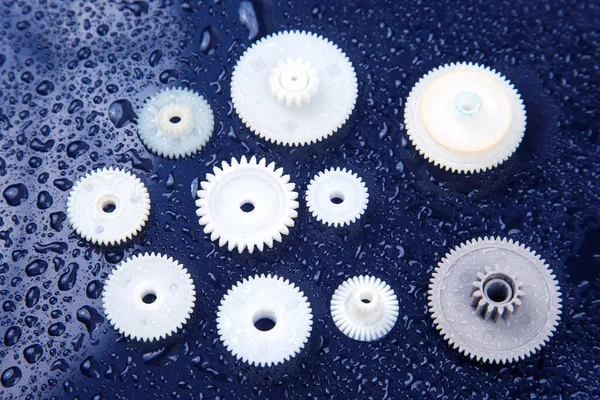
365, 319
411, 129
169, 330
212, 228
233, 347
532, 348
343, 119
320, 215
179, 151
117, 240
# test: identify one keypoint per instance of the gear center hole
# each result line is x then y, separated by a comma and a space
175, 119
149, 297
499, 290
468, 103
247, 206
336, 197
264, 320
108, 204
366, 297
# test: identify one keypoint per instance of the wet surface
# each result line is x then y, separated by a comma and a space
73, 77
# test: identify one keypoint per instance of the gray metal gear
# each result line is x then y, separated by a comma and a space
494, 300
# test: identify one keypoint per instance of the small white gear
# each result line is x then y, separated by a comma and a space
149, 297
337, 197
332, 88
247, 204
294, 82
465, 117
258, 299
364, 308
176, 123
108, 206
508, 275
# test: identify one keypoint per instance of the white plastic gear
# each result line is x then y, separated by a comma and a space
501, 340
337, 197
247, 204
364, 308
294, 82
176, 123
465, 118
329, 107
264, 297
139, 317
108, 206
496, 294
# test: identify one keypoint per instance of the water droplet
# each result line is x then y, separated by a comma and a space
77, 148
68, 279
45, 88
12, 336
36, 267
11, 376
44, 200
90, 317
33, 353
120, 112
32, 297
57, 329
90, 367
155, 57
15, 194
94, 289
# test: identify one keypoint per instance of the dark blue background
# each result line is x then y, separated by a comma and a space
73, 74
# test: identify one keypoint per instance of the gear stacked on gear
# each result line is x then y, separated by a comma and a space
108, 206
294, 68
364, 308
465, 117
494, 300
149, 297
176, 123
247, 204
337, 197
264, 320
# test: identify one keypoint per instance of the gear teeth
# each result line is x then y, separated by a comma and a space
225, 232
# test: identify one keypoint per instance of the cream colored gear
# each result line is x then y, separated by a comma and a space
504, 271
258, 298
465, 117
247, 204
364, 308
294, 82
337, 197
108, 206
332, 97
149, 297
176, 123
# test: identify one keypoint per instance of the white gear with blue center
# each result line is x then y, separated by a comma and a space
247, 204
294, 88
494, 300
108, 206
257, 299
175, 123
149, 297
364, 308
465, 117
337, 197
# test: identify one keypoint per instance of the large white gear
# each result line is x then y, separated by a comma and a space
260, 298
247, 204
364, 308
175, 123
294, 102
465, 117
522, 301
108, 206
149, 297
337, 197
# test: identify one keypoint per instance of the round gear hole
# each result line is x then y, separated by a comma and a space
109, 207
149, 298
366, 297
175, 119
336, 197
498, 290
468, 103
247, 206
264, 321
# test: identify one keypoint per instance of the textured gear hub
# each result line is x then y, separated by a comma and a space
175, 123
108, 206
149, 297
256, 299
247, 204
364, 308
337, 197
517, 277
263, 85
465, 117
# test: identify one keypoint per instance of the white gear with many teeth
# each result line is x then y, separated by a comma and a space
465, 117
176, 123
520, 332
364, 308
327, 97
108, 206
264, 297
337, 197
131, 312
247, 204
